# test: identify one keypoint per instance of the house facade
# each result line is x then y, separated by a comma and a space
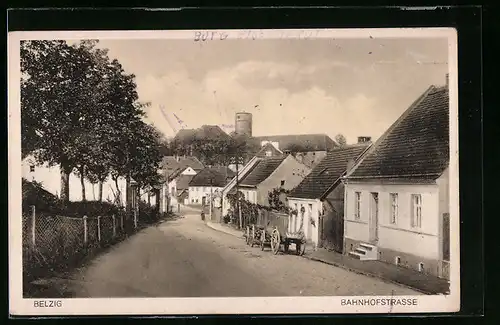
270, 173
397, 196
50, 178
208, 183
318, 199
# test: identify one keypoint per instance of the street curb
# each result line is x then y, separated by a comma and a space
222, 231
372, 275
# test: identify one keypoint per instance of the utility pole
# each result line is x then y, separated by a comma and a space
211, 198
238, 190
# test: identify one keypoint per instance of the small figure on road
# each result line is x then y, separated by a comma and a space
202, 216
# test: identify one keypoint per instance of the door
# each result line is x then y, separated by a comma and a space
373, 218
203, 201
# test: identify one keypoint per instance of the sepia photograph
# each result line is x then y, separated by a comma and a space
233, 171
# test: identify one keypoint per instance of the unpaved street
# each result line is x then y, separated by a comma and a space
186, 258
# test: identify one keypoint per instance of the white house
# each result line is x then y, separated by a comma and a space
397, 195
207, 182
318, 199
50, 178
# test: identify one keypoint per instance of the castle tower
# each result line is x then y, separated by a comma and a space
243, 123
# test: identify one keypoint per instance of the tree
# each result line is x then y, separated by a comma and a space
80, 111
58, 101
341, 140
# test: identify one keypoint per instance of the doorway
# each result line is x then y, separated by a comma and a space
373, 218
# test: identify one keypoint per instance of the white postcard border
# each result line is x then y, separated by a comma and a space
249, 305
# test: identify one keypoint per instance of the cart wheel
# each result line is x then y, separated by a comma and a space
262, 240
275, 241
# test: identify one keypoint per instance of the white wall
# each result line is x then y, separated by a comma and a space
196, 193
249, 194
312, 209
401, 236
51, 181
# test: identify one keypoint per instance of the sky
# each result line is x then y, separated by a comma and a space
356, 87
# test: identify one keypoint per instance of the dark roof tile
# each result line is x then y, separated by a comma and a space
262, 170
416, 146
328, 170
215, 176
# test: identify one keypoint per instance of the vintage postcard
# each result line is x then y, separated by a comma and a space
233, 172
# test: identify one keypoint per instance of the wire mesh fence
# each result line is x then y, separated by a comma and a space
53, 244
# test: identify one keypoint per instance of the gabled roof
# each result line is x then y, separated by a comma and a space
172, 168
416, 146
242, 173
269, 147
261, 171
309, 142
182, 181
215, 176
327, 172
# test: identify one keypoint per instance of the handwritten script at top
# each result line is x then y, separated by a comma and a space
203, 36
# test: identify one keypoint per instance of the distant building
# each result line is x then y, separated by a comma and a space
177, 172
207, 182
397, 196
308, 149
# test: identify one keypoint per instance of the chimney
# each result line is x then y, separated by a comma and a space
447, 79
364, 139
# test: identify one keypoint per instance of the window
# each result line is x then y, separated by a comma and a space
357, 205
283, 183
32, 168
173, 191
416, 213
269, 153
394, 208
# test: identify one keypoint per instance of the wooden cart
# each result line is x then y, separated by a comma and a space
275, 234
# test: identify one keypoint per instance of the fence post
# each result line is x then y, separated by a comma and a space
85, 230
135, 218
121, 221
114, 226
99, 228
33, 225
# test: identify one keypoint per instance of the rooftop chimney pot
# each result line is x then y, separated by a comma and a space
364, 139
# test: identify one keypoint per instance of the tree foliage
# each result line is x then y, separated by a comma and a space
340, 139
80, 110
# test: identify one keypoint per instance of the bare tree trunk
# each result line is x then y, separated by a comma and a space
128, 194
118, 198
65, 171
101, 184
82, 182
